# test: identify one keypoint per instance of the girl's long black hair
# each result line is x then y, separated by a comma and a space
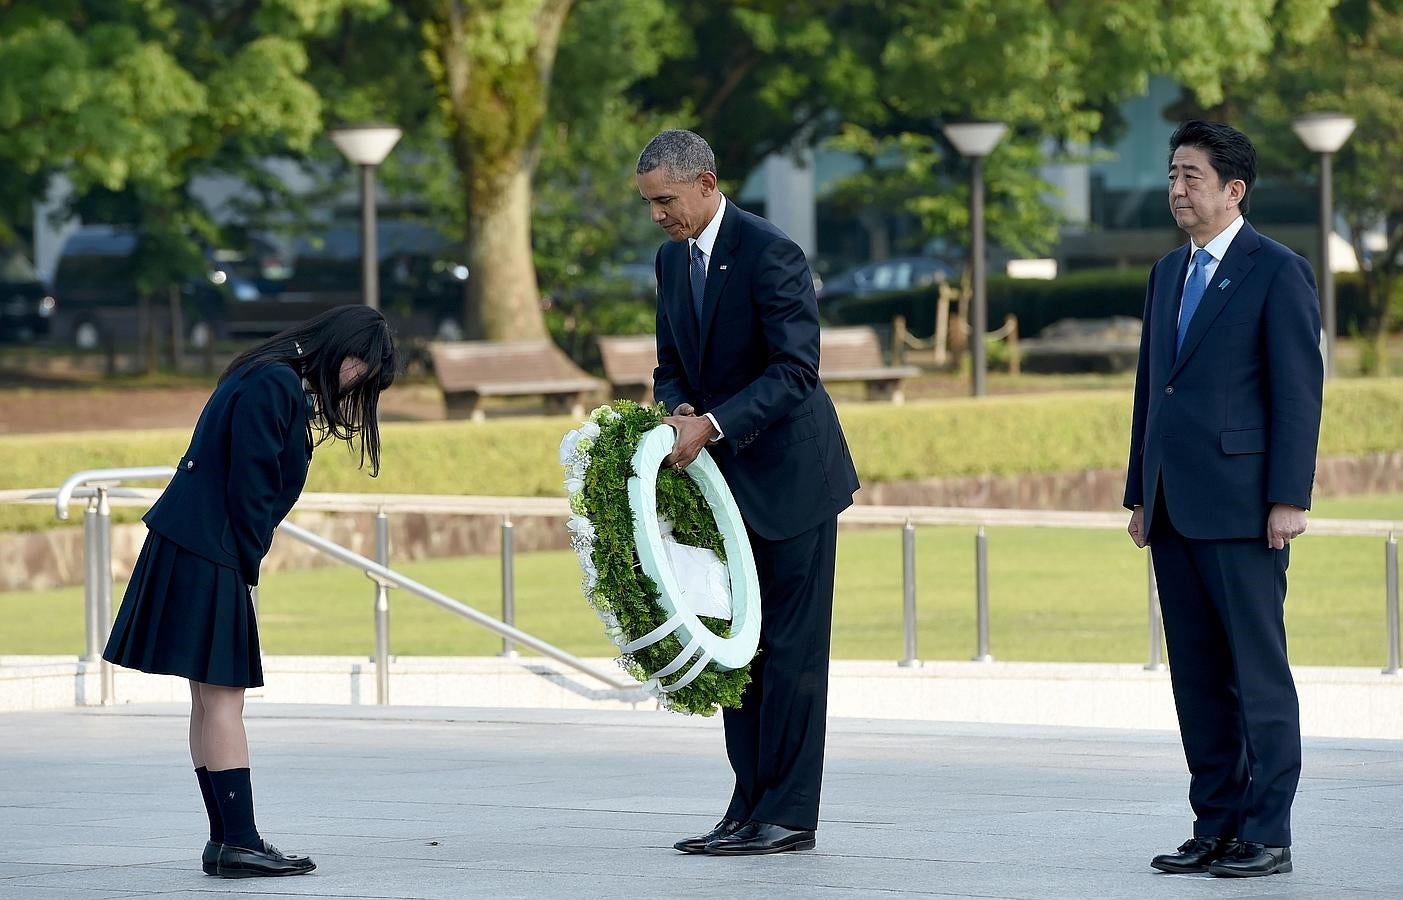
316, 349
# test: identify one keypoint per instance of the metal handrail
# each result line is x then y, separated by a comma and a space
107, 476
384, 575
101, 489
862, 514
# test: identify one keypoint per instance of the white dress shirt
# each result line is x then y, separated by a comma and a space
1216, 248
706, 241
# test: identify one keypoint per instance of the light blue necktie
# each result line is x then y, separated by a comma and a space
1193, 294
698, 279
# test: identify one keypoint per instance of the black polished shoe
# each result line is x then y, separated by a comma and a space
209, 860
241, 862
698, 844
1250, 859
1194, 855
755, 838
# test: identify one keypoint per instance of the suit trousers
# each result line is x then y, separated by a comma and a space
1222, 603
775, 740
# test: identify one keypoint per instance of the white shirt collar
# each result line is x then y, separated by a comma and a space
1219, 245
707, 239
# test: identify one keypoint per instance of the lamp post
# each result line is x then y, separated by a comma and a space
976, 140
1324, 133
367, 146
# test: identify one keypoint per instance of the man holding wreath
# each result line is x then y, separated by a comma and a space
737, 340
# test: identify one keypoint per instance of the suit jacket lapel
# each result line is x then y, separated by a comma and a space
677, 294
1169, 287
1228, 277
719, 269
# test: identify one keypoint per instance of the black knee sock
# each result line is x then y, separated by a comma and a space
216, 823
234, 794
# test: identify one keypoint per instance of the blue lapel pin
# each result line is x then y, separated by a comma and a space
1224, 283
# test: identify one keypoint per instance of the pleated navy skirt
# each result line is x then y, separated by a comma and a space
184, 615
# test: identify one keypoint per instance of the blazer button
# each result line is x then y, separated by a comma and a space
1169, 390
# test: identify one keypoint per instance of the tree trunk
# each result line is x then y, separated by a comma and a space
147, 341
495, 105
504, 299
1380, 286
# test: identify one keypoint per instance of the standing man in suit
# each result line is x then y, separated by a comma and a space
1222, 462
737, 332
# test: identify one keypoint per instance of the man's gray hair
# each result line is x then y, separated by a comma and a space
683, 154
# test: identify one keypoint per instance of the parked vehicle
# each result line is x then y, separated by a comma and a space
98, 304
902, 273
26, 305
421, 280
873, 293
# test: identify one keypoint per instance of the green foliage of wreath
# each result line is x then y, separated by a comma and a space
622, 587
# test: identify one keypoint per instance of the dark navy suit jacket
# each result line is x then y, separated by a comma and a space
245, 468
1229, 426
752, 362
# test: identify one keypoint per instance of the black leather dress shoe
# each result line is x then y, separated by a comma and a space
698, 844
1250, 859
209, 860
241, 862
755, 838
1194, 855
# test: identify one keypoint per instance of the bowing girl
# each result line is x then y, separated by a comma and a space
188, 610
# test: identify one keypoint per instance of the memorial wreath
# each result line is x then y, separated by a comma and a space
666, 559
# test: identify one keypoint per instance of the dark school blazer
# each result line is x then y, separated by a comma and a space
245, 468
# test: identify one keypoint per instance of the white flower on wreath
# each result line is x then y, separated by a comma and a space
590, 430
581, 526
574, 484
568, 445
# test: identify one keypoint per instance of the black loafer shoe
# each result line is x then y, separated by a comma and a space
1251, 859
698, 844
209, 860
755, 838
241, 862
1194, 855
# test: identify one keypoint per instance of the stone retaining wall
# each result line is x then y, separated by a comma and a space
54, 558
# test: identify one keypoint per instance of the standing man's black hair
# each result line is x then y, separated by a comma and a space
1230, 152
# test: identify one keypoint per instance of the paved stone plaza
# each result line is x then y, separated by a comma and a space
452, 803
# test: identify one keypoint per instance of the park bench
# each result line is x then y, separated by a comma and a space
468, 371
851, 354
629, 361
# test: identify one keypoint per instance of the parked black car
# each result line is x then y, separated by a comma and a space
421, 280
95, 284
898, 274
26, 306
872, 294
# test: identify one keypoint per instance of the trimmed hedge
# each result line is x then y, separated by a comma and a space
1090, 294
1054, 432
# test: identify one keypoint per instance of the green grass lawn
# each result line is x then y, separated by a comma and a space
1060, 595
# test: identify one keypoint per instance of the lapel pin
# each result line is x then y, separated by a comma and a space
722, 267
1224, 283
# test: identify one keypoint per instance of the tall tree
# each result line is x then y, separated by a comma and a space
880, 79
133, 101
499, 100
1353, 65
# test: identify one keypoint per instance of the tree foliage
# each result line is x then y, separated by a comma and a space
1353, 64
